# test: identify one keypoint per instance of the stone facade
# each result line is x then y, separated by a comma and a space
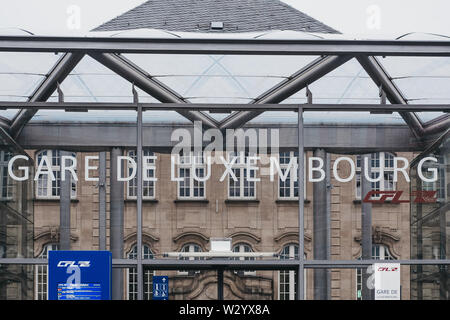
266, 224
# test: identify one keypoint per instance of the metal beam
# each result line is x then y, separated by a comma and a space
116, 221
348, 139
307, 75
270, 264
320, 228
102, 201
379, 75
328, 220
139, 137
64, 204
225, 46
5, 123
227, 107
219, 284
11, 144
366, 223
59, 72
145, 82
437, 125
301, 207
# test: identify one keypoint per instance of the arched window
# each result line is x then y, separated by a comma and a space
132, 285
41, 274
6, 186
45, 187
190, 247
379, 252
287, 283
243, 247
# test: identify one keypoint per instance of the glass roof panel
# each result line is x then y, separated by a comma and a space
421, 80
92, 82
111, 116
21, 73
347, 84
227, 78
224, 79
345, 118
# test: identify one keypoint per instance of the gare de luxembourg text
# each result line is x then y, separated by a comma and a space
315, 165
255, 141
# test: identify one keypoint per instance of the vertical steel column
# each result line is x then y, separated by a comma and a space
443, 269
320, 231
366, 224
419, 242
3, 249
102, 201
219, 284
301, 203
64, 206
26, 235
116, 222
328, 219
140, 274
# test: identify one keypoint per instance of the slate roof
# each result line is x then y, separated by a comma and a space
197, 15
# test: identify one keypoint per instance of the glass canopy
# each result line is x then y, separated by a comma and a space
224, 79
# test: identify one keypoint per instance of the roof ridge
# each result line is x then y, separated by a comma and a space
197, 15
292, 8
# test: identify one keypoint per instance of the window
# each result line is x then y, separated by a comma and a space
439, 185
41, 273
6, 186
379, 252
241, 188
45, 187
288, 189
148, 187
243, 247
287, 280
387, 180
188, 187
190, 247
132, 285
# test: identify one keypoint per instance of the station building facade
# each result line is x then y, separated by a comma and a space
258, 217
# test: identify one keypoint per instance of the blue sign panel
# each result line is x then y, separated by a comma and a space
79, 275
160, 288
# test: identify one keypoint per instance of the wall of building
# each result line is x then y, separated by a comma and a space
266, 224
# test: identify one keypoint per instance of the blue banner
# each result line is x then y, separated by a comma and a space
160, 288
79, 275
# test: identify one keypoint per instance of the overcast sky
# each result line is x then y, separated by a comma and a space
381, 18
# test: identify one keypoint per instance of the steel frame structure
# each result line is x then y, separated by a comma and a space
333, 53
106, 51
225, 46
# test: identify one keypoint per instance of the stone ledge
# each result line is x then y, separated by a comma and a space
143, 200
241, 201
53, 200
191, 201
290, 201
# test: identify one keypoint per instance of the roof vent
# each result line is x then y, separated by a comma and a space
216, 25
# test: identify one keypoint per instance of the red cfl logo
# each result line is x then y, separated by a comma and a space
387, 269
421, 196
